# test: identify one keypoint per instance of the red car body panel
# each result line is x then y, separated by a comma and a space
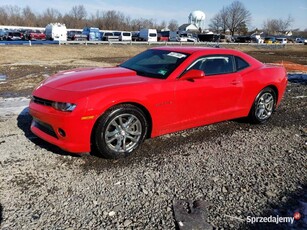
172, 104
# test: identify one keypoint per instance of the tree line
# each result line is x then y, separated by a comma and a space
78, 18
234, 18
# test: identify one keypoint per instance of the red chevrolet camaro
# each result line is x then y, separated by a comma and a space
161, 90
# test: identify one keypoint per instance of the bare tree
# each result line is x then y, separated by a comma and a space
173, 25
69, 22
162, 25
78, 12
224, 18
97, 19
113, 20
14, 15
50, 15
233, 17
76, 17
216, 23
236, 15
136, 24
4, 19
286, 24
143, 23
277, 26
242, 29
29, 17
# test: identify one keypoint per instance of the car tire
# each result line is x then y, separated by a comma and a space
120, 131
263, 106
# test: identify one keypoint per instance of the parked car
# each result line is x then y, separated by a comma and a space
299, 40
159, 91
92, 33
56, 32
125, 36
208, 37
109, 36
186, 37
269, 40
167, 36
162, 37
149, 35
2, 35
14, 36
136, 36
243, 39
76, 35
281, 40
256, 38
116, 36
34, 35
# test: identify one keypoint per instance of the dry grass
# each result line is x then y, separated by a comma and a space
98, 54
65, 55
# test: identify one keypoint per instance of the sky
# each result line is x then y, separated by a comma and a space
165, 10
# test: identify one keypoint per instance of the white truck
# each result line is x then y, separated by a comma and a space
56, 32
149, 35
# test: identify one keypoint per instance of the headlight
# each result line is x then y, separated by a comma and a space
64, 106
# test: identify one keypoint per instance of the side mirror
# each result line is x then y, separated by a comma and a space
192, 74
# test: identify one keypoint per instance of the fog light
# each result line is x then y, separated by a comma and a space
62, 132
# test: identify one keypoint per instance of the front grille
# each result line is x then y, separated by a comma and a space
44, 127
42, 101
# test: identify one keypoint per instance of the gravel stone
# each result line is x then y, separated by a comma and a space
112, 213
127, 223
238, 169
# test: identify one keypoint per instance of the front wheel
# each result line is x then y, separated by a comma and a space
263, 106
120, 131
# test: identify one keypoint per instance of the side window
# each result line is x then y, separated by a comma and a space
241, 64
211, 65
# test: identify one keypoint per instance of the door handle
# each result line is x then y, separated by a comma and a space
235, 82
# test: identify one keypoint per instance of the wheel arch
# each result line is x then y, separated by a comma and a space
147, 115
273, 87
139, 106
252, 108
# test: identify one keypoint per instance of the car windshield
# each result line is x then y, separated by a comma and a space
155, 63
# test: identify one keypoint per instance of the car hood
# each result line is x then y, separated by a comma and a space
87, 79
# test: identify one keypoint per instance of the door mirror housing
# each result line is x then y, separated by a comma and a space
192, 74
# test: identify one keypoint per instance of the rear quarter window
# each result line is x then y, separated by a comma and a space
241, 64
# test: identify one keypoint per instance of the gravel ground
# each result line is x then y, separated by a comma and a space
238, 169
233, 169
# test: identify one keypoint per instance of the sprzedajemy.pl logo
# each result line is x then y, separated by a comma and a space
273, 219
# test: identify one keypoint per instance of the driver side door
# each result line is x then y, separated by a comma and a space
212, 98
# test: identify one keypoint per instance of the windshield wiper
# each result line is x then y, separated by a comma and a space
141, 73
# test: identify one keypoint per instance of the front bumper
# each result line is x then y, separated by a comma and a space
67, 130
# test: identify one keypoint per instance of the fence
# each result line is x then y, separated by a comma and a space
207, 44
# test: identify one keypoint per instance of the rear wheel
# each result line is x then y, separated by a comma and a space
263, 106
120, 131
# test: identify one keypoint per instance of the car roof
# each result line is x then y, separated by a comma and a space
196, 49
210, 51
184, 49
